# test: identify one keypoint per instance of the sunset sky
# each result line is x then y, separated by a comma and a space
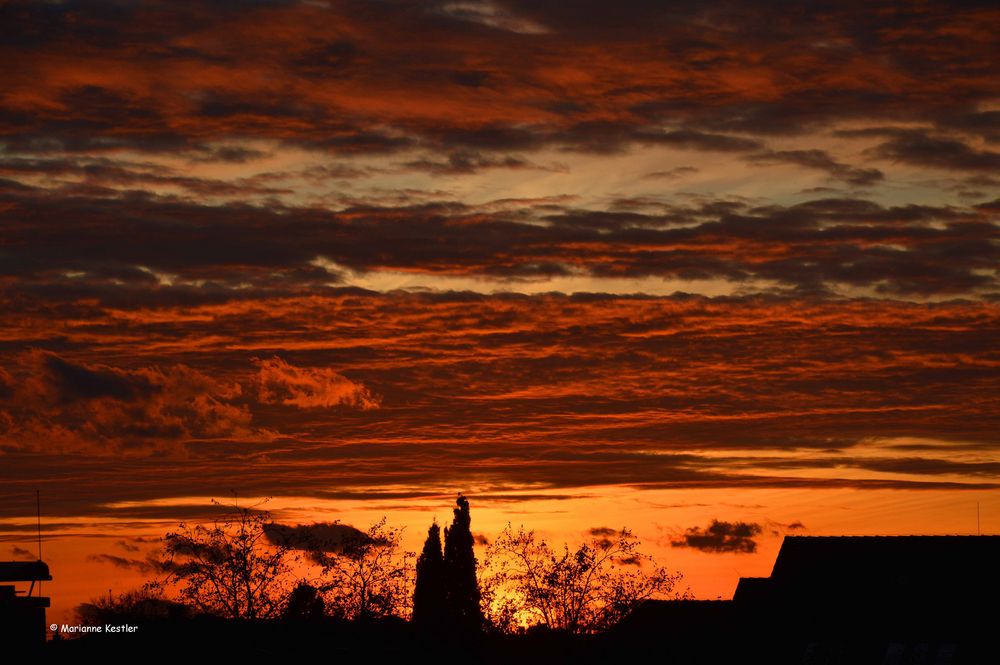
594, 264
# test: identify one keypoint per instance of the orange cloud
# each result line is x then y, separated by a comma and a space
53, 404
278, 382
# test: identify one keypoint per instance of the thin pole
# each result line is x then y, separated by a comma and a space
978, 530
38, 514
38, 509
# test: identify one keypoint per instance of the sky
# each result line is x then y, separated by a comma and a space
719, 272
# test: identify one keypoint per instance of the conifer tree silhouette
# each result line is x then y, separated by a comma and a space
429, 602
461, 588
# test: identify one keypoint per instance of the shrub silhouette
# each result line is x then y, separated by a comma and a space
584, 590
137, 606
304, 604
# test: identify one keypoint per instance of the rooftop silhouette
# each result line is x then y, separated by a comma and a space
22, 612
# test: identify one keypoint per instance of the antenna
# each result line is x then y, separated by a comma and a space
978, 530
38, 509
38, 514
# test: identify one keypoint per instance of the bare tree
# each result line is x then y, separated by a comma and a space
228, 569
369, 577
527, 582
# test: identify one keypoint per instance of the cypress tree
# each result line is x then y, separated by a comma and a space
429, 603
461, 587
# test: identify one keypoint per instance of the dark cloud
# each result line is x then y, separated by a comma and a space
6, 385
817, 246
778, 528
917, 466
928, 466
138, 565
982, 123
21, 554
63, 405
70, 382
603, 532
326, 58
692, 139
920, 148
471, 78
670, 174
467, 162
721, 537
232, 154
128, 546
319, 540
51, 403
105, 176
402, 76
820, 160
320, 537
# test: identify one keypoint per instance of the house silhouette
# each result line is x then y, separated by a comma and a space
913, 576
847, 600
22, 611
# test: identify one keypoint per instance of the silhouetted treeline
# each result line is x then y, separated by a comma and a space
528, 601
246, 568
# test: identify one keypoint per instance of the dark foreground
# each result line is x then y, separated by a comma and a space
698, 633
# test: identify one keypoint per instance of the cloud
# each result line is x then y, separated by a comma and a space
820, 160
67, 174
698, 140
63, 382
21, 554
321, 536
602, 536
467, 162
721, 537
493, 14
778, 528
53, 404
138, 565
920, 148
982, 123
278, 382
513, 390
445, 74
318, 540
671, 174
824, 246
62, 405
